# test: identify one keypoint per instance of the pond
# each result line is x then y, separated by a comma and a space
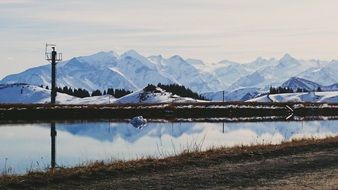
27, 147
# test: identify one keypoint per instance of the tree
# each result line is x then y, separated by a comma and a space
96, 93
110, 91
181, 90
150, 88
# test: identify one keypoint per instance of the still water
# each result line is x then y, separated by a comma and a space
27, 147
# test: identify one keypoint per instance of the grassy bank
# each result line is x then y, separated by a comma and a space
120, 174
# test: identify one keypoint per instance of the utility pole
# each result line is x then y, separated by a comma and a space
53, 93
223, 95
53, 57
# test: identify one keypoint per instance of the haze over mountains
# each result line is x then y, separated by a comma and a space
133, 71
294, 83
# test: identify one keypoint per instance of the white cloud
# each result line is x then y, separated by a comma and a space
211, 30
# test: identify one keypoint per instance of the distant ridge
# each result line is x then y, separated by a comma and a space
295, 83
133, 71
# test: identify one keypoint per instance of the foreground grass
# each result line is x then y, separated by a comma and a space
99, 171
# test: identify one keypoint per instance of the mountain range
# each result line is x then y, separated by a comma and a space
133, 71
25, 93
110, 132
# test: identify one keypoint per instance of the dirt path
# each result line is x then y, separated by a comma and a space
288, 166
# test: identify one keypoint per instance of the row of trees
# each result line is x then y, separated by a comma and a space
281, 90
176, 89
117, 93
77, 92
82, 93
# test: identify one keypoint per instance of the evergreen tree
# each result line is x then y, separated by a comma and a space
181, 90
96, 93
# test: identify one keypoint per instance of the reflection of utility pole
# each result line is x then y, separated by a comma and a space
53, 134
53, 57
223, 95
223, 127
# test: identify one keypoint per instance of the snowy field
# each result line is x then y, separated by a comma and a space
328, 97
29, 94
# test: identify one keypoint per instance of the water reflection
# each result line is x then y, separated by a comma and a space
53, 143
32, 146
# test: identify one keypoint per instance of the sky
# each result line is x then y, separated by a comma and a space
211, 30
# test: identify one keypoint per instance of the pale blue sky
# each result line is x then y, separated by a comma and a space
211, 30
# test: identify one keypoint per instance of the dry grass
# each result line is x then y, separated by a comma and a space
97, 167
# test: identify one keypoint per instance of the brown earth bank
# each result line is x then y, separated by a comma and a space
29, 112
301, 164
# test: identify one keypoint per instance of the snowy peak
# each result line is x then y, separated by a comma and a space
194, 61
101, 58
74, 62
176, 58
133, 58
295, 83
287, 60
156, 58
248, 81
262, 62
132, 53
107, 69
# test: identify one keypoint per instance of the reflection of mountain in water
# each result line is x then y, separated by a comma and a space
111, 131
287, 129
106, 131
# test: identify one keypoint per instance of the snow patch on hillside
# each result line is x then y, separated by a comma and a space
25, 94
329, 97
158, 96
30, 94
241, 94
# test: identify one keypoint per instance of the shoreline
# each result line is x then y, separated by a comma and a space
165, 111
314, 155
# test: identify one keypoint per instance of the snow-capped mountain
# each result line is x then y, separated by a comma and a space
244, 94
324, 97
186, 72
99, 71
295, 83
324, 73
133, 71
